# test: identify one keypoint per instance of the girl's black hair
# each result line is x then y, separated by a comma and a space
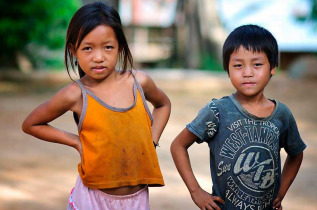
251, 37
85, 20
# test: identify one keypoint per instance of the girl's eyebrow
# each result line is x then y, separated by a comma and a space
92, 43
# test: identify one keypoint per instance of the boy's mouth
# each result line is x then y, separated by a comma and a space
248, 83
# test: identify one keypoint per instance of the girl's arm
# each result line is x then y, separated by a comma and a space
180, 156
160, 102
290, 169
36, 124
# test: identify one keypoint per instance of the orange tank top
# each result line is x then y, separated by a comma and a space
117, 143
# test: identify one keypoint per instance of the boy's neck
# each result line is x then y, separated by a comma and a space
258, 106
251, 100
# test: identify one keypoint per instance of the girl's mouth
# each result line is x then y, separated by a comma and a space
99, 68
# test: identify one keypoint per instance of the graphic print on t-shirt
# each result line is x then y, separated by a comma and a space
248, 159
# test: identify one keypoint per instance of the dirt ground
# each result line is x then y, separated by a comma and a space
39, 175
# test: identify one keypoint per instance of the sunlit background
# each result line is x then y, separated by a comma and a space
179, 43
182, 34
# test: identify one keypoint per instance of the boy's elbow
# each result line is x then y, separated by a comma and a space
172, 147
175, 146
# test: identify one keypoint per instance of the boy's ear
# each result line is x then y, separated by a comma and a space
273, 71
72, 49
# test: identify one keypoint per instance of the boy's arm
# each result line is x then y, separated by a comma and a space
160, 102
290, 169
181, 159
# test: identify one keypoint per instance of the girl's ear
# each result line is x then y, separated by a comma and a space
72, 49
120, 49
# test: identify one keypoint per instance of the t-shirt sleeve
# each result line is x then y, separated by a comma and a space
292, 141
206, 123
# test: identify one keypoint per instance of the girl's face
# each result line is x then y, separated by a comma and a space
98, 52
249, 72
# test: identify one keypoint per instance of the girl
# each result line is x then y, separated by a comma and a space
115, 126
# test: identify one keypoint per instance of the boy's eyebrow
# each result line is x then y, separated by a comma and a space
253, 59
236, 59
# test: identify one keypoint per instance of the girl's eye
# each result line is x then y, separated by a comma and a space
87, 48
109, 47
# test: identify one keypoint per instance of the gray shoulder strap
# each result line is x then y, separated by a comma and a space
142, 95
84, 108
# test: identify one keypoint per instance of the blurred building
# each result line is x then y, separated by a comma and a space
181, 33
190, 33
149, 27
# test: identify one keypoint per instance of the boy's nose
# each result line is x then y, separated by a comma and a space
248, 72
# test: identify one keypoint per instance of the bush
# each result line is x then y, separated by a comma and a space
39, 22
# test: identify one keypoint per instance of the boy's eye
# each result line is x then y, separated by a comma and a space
109, 47
237, 65
258, 64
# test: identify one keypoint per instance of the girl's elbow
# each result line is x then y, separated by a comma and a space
168, 102
26, 128
165, 101
168, 105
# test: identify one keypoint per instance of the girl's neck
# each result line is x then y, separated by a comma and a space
91, 82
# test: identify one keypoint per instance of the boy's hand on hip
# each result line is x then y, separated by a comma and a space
277, 203
206, 201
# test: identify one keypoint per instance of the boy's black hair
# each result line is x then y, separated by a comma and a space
84, 21
251, 37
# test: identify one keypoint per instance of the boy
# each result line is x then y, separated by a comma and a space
244, 131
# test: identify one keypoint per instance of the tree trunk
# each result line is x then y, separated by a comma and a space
199, 32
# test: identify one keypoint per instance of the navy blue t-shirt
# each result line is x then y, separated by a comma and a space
245, 151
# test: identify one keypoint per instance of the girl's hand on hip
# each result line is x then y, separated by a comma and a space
78, 146
206, 201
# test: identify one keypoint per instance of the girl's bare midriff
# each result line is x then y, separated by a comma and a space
126, 190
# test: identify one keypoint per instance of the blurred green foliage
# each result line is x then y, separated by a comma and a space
210, 63
313, 12
39, 22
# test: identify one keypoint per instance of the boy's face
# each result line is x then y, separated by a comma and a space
249, 72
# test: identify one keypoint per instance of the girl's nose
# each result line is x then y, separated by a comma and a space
98, 56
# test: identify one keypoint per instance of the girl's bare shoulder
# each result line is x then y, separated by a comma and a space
70, 94
143, 78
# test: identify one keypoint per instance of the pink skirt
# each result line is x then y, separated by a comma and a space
84, 198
